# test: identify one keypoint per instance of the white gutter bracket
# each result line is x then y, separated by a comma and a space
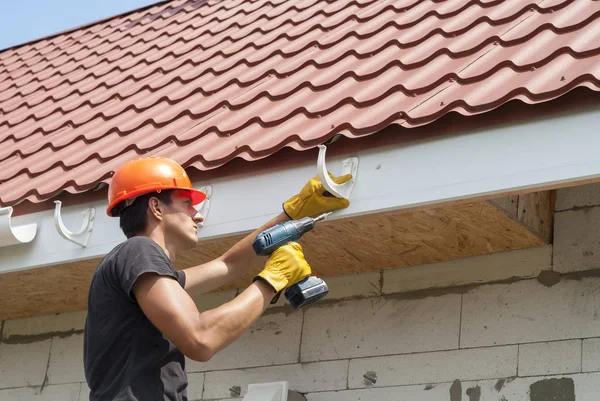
204, 207
81, 237
10, 235
349, 166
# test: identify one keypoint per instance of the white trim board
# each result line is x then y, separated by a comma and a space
547, 153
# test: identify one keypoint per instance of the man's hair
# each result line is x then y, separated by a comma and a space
133, 219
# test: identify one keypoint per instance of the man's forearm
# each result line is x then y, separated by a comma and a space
241, 258
235, 263
221, 326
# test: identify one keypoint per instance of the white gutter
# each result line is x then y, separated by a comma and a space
547, 153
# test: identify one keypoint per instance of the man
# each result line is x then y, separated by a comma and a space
141, 320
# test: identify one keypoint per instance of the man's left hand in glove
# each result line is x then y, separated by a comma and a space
314, 199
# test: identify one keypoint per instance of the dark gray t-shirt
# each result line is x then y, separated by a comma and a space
125, 357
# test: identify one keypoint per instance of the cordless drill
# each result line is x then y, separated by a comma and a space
308, 290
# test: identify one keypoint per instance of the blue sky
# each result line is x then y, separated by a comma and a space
23, 21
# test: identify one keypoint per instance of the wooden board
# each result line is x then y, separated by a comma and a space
337, 247
45, 290
534, 210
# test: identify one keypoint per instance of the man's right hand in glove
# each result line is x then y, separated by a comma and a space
285, 267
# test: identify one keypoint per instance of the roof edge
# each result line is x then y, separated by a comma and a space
472, 165
510, 113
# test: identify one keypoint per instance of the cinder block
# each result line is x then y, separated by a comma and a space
409, 393
527, 311
579, 196
355, 285
590, 360
84, 392
66, 360
550, 358
435, 367
195, 386
23, 364
477, 269
380, 326
40, 325
320, 376
577, 240
212, 300
222, 399
587, 386
274, 339
580, 387
62, 392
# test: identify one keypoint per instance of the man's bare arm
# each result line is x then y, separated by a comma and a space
199, 335
233, 264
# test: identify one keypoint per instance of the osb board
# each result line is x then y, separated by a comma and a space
335, 247
45, 290
534, 210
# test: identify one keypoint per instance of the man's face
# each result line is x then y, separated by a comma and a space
180, 220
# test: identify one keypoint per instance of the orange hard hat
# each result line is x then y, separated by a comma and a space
149, 174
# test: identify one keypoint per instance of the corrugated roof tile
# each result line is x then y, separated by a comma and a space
205, 82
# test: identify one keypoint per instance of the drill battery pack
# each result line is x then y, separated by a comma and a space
305, 292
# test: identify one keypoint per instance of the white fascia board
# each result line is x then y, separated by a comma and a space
546, 153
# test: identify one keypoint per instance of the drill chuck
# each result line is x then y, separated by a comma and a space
280, 234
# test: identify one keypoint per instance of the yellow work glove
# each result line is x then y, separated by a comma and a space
314, 199
285, 267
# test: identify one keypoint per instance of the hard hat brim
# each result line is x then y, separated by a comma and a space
197, 197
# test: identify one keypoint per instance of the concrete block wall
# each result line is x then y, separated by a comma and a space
519, 325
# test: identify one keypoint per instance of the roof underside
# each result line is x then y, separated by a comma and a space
204, 82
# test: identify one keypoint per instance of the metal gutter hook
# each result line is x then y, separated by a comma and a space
350, 166
81, 237
204, 207
10, 235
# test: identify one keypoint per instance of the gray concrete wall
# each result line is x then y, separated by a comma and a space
519, 325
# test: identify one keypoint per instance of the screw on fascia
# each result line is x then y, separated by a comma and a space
370, 377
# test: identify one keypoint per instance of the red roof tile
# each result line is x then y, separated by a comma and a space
204, 82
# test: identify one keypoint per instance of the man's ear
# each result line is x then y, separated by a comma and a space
155, 208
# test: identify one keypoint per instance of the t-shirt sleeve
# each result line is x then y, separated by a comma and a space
145, 256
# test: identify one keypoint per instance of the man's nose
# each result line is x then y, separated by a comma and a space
198, 218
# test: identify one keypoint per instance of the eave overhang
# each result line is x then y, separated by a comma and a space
479, 163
